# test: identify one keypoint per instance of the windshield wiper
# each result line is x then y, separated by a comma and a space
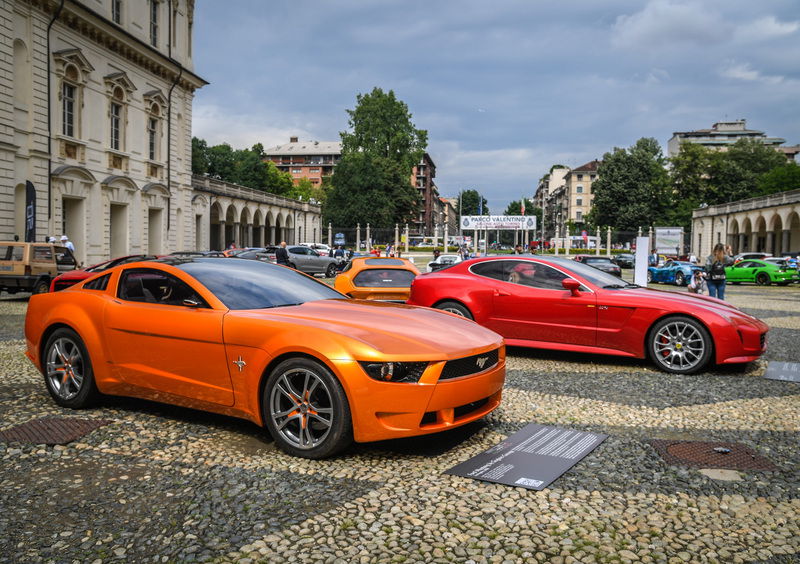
614, 286
283, 305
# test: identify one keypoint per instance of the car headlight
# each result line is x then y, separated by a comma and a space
395, 371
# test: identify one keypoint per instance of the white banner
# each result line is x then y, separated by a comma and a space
520, 222
669, 240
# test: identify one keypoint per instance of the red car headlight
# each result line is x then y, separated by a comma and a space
395, 371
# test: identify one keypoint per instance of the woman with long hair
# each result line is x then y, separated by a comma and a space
715, 269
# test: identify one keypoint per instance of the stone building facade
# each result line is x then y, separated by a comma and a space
96, 125
765, 224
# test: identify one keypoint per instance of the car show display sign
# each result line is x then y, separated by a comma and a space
669, 240
788, 371
498, 222
531, 458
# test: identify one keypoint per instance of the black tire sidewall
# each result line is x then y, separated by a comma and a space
330, 272
88, 393
341, 433
762, 279
41, 287
707, 353
680, 279
457, 306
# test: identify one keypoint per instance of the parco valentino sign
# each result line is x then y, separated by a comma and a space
498, 222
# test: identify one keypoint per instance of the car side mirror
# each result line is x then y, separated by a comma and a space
572, 285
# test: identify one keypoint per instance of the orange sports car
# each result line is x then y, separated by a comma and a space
268, 344
374, 278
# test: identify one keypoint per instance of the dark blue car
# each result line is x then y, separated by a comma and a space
673, 272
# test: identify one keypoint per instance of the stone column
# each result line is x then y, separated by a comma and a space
358, 237
261, 234
785, 241
742, 240
272, 233
406, 239
608, 241
221, 241
330, 234
368, 238
396, 237
249, 235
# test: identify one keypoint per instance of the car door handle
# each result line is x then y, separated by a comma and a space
501, 293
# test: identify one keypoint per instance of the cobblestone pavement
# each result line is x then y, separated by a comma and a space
163, 484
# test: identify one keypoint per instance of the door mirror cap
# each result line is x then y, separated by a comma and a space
572, 285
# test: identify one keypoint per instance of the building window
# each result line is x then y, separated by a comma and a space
152, 130
68, 109
579, 189
580, 177
154, 23
578, 216
579, 202
116, 11
592, 177
297, 171
116, 115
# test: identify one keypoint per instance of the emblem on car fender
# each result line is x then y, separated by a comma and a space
481, 361
240, 363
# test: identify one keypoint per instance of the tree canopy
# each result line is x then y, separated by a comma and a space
632, 188
372, 182
245, 167
472, 203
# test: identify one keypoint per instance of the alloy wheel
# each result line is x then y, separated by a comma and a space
301, 408
679, 346
65, 368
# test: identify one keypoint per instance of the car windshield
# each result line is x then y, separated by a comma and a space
245, 284
589, 273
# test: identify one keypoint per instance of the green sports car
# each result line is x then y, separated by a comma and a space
761, 273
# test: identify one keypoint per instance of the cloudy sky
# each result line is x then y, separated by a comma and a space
505, 88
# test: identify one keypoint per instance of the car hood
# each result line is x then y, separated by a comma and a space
393, 329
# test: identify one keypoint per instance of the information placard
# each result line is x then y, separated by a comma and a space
531, 458
788, 371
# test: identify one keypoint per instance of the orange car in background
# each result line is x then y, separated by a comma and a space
267, 344
374, 278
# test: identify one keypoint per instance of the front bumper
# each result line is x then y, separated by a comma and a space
384, 410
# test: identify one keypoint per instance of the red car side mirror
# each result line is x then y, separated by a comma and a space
572, 285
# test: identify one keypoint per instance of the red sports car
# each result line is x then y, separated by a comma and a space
74, 276
556, 303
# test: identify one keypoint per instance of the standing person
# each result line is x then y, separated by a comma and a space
652, 260
282, 255
67, 243
715, 268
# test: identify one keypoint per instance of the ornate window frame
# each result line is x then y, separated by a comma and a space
72, 69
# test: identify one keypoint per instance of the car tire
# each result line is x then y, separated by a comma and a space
680, 345
41, 287
763, 279
305, 409
456, 308
680, 279
67, 369
330, 272
649, 277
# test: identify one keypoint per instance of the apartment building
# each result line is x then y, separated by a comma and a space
314, 160
723, 134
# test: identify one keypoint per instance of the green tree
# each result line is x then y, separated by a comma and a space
306, 190
199, 156
472, 203
632, 187
381, 126
690, 179
222, 162
734, 174
372, 182
779, 179
368, 189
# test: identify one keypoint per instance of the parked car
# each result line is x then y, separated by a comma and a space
305, 260
208, 254
747, 256
372, 278
561, 304
442, 261
266, 344
624, 260
67, 279
321, 248
673, 272
31, 267
600, 263
760, 272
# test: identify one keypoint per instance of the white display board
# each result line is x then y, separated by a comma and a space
640, 266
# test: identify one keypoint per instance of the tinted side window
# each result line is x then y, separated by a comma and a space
491, 269
383, 278
98, 283
42, 254
11, 252
298, 250
155, 287
537, 275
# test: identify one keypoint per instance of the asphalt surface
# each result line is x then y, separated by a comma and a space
165, 484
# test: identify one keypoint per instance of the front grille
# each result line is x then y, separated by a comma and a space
470, 365
463, 410
763, 340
